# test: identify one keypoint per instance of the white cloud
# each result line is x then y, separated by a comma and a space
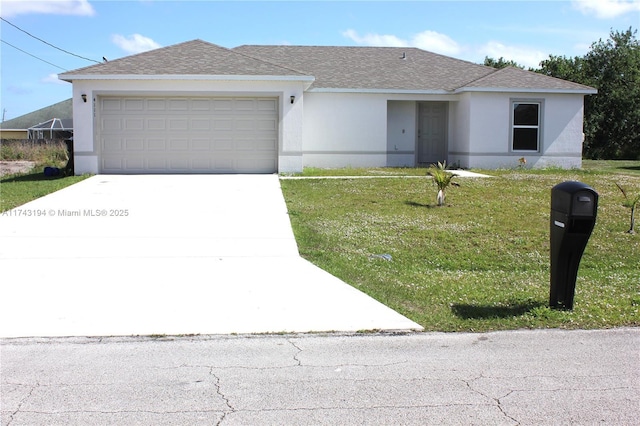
427, 40
375, 39
605, 9
9, 8
135, 43
524, 56
53, 79
436, 42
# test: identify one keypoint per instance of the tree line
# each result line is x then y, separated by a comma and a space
612, 116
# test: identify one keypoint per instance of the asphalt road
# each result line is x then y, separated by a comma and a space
538, 377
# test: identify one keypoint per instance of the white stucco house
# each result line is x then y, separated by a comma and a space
196, 107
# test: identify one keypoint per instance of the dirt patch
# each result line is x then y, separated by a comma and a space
12, 167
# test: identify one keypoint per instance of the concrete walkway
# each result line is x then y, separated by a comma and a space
461, 173
169, 254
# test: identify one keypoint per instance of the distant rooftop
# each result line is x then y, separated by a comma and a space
62, 110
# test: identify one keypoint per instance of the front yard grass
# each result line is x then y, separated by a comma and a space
479, 263
18, 189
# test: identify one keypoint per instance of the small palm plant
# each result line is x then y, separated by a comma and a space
442, 178
631, 203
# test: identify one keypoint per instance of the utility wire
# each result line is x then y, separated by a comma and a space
49, 44
40, 59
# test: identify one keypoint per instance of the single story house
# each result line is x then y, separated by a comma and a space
196, 107
51, 122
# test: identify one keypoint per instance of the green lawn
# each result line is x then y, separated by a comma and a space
481, 262
16, 190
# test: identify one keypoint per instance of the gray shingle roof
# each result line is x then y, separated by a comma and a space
373, 68
516, 78
62, 110
194, 57
333, 67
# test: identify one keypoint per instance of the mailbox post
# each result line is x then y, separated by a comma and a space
573, 215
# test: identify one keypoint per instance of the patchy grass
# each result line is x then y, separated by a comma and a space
612, 166
18, 189
481, 262
52, 153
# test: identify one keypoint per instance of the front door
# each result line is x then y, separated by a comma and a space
432, 132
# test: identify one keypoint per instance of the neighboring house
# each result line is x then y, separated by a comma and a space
200, 108
52, 122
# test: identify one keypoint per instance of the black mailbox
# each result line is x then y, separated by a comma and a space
573, 215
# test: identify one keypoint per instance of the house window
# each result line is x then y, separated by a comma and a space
525, 126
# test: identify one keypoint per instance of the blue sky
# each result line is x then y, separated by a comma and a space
525, 31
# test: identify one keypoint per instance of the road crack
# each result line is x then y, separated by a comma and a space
227, 402
498, 402
21, 403
299, 349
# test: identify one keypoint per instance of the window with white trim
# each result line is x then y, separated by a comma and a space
525, 125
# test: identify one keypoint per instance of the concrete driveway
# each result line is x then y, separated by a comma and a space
169, 254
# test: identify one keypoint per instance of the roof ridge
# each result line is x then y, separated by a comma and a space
495, 71
530, 73
135, 55
196, 43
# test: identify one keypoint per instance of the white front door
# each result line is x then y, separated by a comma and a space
432, 132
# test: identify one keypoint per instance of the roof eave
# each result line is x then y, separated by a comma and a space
381, 91
585, 91
73, 77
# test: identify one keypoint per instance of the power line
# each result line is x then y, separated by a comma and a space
49, 44
40, 59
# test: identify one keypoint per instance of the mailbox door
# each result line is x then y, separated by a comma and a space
583, 204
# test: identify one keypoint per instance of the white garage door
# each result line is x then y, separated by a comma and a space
188, 135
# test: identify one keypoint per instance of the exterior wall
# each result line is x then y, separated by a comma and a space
332, 130
345, 130
483, 131
14, 134
459, 132
362, 129
401, 133
290, 115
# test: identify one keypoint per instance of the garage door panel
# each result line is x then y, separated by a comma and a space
178, 124
201, 145
266, 144
133, 163
268, 105
188, 135
179, 144
244, 104
112, 144
271, 125
178, 105
244, 124
110, 105
111, 125
133, 124
223, 145
201, 105
155, 164
156, 124
223, 124
113, 163
156, 105
133, 105
134, 144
